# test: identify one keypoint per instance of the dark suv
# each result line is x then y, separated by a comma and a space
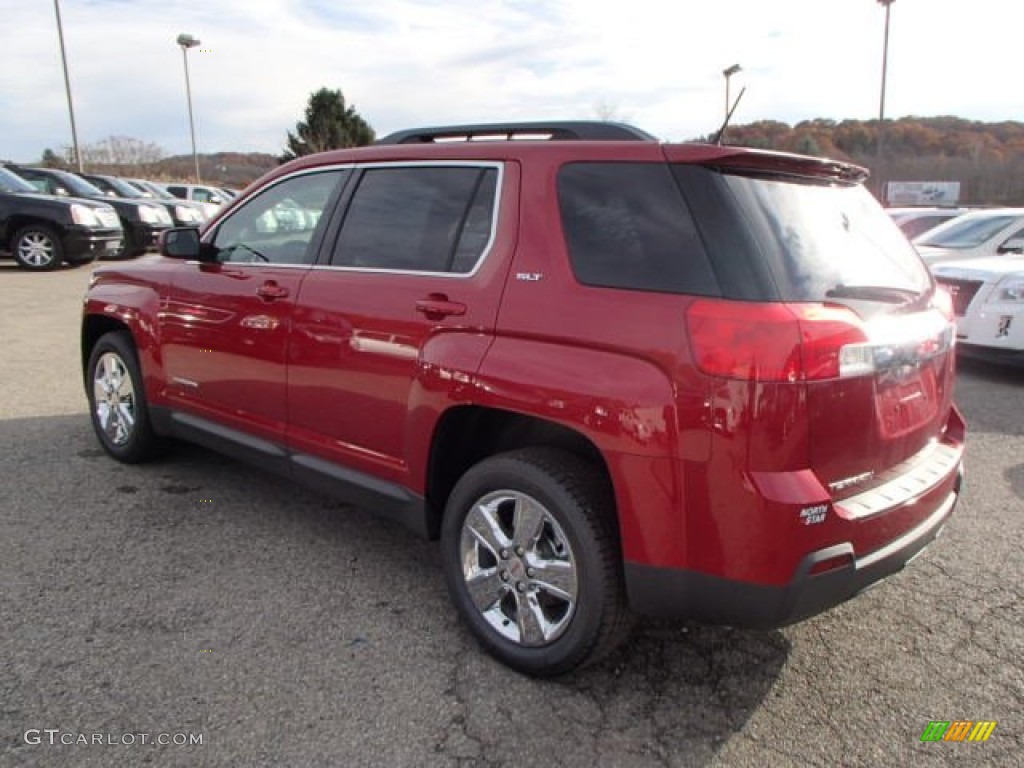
41, 231
182, 212
611, 375
142, 221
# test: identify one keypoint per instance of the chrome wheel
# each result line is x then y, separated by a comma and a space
519, 568
114, 398
36, 249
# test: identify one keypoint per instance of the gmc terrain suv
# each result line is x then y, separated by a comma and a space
41, 231
142, 221
611, 375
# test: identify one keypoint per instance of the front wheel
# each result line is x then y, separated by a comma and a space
532, 560
38, 248
117, 400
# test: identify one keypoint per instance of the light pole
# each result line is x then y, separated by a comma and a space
187, 41
729, 72
881, 101
67, 87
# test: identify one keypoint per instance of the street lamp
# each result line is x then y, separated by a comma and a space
881, 102
67, 87
729, 72
187, 41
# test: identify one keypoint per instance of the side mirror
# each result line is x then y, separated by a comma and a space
62, 191
183, 243
1013, 245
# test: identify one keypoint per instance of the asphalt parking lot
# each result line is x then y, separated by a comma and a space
198, 597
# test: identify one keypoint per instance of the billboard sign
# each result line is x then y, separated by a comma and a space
922, 193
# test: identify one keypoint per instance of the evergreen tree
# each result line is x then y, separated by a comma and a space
329, 124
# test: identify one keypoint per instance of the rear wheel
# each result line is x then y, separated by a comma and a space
117, 400
532, 560
37, 247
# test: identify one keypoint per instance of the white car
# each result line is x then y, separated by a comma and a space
974, 235
209, 197
988, 297
914, 222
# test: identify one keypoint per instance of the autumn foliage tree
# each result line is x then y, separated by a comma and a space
329, 124
986, 158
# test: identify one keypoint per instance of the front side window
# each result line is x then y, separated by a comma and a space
422, 219
277, 225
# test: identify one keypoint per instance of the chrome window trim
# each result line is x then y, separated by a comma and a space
209, 235
488, 247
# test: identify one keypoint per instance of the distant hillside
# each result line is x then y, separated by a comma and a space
224, 169
227, 169
986, 158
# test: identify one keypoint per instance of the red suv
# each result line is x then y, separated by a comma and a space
612, 375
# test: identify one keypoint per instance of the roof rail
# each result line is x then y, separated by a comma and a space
573, 130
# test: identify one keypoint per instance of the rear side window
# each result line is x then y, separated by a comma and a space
420, 219
627, 226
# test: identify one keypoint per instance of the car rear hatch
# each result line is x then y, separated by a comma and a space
841, 306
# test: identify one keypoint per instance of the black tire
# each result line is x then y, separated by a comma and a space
37, 247
114, 388
81, 260
578, 534
129, 246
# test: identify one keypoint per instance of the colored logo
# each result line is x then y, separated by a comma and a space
958, 730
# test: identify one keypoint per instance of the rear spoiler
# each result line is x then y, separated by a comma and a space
766, 162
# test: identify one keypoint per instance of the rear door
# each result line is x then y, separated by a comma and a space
402, 310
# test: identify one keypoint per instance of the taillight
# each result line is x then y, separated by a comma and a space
776, 341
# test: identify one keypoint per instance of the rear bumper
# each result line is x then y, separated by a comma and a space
713, 599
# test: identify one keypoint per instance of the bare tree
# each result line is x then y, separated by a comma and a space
121, 153
610, 112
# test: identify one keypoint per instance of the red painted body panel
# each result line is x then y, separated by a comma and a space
225, 345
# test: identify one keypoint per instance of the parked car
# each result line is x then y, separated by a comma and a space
974, 235
141, 221
914, 222
988, 296
41, 232
612, 375
211, 198
182, 212
152, 189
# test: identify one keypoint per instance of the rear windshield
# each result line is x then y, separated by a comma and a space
822, 240
969, 232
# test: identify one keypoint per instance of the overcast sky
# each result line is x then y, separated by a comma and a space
403, 63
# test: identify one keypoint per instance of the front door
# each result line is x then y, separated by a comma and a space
225, 325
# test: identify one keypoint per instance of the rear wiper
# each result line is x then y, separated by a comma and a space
873, 293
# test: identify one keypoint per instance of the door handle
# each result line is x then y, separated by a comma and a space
437, 306
271, 291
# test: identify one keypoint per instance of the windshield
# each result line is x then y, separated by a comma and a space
78, 186
11, 182
123, 188
968, 232
824, 240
